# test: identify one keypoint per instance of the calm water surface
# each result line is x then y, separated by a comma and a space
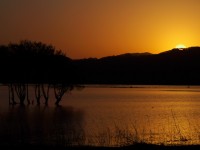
105, 115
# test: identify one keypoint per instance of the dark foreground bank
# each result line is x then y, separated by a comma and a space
132, 147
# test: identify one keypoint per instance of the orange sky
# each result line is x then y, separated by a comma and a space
97, 28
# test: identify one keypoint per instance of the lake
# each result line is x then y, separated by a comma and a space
106, 115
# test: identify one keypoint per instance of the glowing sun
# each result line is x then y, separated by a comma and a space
180, 46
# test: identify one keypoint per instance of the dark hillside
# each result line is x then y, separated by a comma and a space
35, 62
170, 67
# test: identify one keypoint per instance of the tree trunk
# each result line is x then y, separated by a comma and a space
37, 93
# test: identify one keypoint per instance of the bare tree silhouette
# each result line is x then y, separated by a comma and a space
38, 93
60, 90
11, 94
31, 62
20, 89
27, 95
45, 92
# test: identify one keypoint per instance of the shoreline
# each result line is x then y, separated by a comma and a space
139, 146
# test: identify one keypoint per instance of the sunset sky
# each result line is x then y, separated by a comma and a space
97, 28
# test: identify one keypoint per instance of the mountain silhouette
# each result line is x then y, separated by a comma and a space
170, 67
32, 62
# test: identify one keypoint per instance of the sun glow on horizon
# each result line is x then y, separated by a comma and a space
180, 46
100, 28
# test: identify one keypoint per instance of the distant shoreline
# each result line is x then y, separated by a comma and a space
137, 86
124, 85
139, 146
